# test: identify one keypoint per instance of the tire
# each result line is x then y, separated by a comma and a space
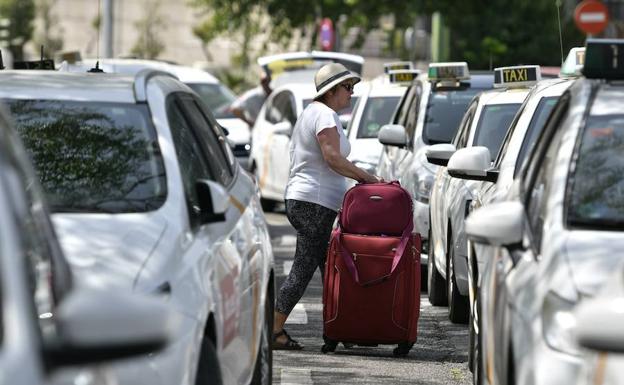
435, 283
208, 369
458, 306
476, 361
263, 370
268, 205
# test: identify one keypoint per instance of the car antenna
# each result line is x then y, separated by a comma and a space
97, 69
1, 61
558, 5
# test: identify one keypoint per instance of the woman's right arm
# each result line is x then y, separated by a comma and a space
329, 140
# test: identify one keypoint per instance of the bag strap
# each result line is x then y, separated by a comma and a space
398, 253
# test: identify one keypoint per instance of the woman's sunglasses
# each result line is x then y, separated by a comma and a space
347, 86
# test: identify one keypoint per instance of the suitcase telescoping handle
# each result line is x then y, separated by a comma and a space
346, 256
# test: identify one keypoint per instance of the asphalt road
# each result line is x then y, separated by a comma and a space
438, 357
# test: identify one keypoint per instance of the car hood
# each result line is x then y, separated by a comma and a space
107, 250
592, 257
366, 150
238, 130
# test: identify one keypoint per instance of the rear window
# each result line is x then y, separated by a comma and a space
377, 112
445, 110
493, 124
217, 97
597, 188
93, 157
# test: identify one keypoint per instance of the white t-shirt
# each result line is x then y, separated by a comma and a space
311, 179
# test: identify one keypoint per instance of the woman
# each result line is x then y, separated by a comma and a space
316, 186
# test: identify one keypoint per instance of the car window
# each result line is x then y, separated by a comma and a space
596, 188
93, 156
445, 109
217, 97
377, 112
492, 126
539, 119
191, 160
208, 141
275, 109
461, 136
404, 104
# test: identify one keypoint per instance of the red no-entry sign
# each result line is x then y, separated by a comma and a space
591, 16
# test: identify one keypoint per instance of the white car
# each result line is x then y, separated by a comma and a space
495, 182
53, 332
377, 102
558, 235
214, 94
270, 161
147, 196
485, 123
429, 113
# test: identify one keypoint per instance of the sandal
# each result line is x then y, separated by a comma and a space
290, 344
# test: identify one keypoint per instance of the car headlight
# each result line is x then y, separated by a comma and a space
558, 324
366, 166
423, 187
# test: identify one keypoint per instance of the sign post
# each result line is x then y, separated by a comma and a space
591, 16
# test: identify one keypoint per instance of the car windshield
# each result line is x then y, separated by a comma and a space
540, 116
597, 188
217, 97
492, 126
377, 112
93, 156
445, 110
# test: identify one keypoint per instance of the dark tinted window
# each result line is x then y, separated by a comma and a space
217, 97
540, 116
377, 112
493, 124
445, 110
93, 156
597, 188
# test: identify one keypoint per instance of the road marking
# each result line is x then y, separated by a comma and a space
287, 267
298, 316
292, 376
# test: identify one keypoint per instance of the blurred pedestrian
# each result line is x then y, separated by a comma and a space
316, 186
248, 105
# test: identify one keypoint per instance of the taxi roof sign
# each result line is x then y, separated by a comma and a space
516, 76
573, 63
403, 76
448, 71
604, 59
397, 65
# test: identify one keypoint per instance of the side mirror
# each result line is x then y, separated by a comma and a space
213, 201
599, 324
497, 224
283, 128
97, 326
472, 163
440, 153
393, 135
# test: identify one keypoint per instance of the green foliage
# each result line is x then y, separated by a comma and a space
49, 36
21, 14
149, 45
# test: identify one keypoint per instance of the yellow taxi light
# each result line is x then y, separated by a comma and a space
603, 59
448, 71
516, 76
573, 63
403, 76
397, 65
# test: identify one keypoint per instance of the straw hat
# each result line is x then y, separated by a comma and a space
330, 75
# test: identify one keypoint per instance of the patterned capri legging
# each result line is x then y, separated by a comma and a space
313, 224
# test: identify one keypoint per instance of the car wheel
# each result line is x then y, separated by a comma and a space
457, 303
208, 369
475, 327
435, 283
263, 371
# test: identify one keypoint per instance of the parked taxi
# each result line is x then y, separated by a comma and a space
147, 197
558, 233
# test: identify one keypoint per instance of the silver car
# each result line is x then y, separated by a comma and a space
147, 197
52, 332
559, 233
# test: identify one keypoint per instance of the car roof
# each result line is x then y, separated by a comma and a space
300, 90
381, 87
53, 85
132, 66
504, 96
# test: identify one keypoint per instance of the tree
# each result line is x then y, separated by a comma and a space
149, 45
46, 37
21, 14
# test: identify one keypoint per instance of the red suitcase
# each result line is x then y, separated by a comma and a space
371, 291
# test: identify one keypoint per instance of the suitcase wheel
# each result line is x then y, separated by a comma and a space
403, 349
329, 345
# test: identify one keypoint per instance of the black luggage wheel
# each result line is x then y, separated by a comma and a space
403, 349
329, 345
